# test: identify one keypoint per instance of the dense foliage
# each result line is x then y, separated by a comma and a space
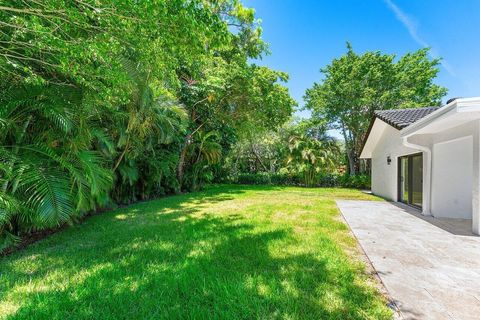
330, 179
354, 85
298, 153
106, 101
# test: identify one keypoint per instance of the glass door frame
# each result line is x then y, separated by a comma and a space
409, 182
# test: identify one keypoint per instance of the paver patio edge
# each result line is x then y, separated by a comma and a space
383, 288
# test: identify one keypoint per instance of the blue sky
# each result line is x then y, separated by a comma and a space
305, 35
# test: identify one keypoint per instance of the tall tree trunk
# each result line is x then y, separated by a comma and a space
119, 160
183, 155
188, 141
355, 156
349, 151
258, 157
181, 160
351, 163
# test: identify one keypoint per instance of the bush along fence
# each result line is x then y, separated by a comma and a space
322, 180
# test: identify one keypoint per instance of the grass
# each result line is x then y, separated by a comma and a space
229, 252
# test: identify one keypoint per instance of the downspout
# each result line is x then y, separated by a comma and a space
426, 208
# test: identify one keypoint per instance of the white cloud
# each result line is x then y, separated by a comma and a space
411, 26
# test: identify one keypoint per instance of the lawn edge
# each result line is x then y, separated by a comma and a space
370, 269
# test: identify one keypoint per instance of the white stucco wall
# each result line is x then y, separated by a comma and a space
450, 141
384, 176
452, 171
452, 168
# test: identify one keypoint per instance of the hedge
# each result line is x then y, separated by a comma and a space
324, 180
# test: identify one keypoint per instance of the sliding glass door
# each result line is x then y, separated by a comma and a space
410, 179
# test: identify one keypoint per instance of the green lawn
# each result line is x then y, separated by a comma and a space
230, 252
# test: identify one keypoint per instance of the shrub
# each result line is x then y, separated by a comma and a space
286, 179
361, 181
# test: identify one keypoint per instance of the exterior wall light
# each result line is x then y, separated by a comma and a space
389, 160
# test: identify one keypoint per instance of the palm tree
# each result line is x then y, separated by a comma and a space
310, 156
202, 153
48, 174
140, 126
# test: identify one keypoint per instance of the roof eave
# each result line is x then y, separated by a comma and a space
367, 148
458, 105
389, 122
364, 142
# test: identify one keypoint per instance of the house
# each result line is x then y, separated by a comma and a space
429, 158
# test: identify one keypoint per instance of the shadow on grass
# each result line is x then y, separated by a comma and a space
174, 259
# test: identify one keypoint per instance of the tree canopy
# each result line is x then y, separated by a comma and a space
354, 85
106, 102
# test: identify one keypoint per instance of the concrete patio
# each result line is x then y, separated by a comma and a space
430, 267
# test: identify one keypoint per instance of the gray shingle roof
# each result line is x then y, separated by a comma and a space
401, 118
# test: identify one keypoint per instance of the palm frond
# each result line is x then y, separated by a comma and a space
99, 178
48, 193
9, 206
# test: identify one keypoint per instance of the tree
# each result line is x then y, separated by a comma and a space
299, 150
355, 85
105, 102
201, 154
310, 153
48, 173
257, 151
228, 93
